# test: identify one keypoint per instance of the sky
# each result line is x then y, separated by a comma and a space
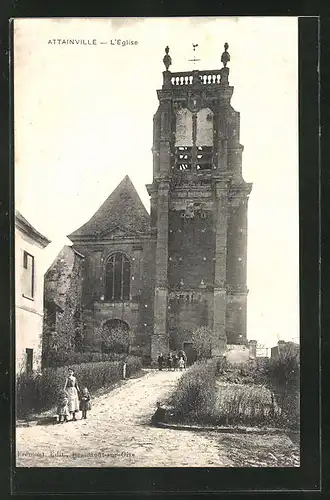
83, 117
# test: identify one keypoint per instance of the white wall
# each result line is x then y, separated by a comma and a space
28, 312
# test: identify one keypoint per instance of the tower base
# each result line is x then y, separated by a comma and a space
159, 345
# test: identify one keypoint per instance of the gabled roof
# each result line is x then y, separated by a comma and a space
27, 228
122, 208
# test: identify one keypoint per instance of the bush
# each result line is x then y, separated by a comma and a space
39, 392
133, 365
261, 392
202, 338
245, 405
67, 358
114, 340
194, 397
221, 365
283, 377
28, 390
199, 399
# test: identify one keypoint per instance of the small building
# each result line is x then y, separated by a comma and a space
282, 348
29, 281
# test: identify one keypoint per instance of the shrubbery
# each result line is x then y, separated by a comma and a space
266, 392
38, 392
283, 377
114, 340
66, 358
133, 365
202, 339
195, 393
245, 405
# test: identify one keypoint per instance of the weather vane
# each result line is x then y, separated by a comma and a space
194, 60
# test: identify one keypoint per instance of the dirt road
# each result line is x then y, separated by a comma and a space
117, 433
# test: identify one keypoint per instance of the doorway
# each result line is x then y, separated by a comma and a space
190, 352
29, 360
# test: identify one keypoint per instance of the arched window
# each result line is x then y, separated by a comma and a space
117, 278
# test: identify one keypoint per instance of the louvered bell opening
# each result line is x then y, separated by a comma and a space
183, 158
204, 158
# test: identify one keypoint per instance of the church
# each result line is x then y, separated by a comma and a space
160, 276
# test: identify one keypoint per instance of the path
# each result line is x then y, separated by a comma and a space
118, 433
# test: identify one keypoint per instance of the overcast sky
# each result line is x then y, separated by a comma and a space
83, 120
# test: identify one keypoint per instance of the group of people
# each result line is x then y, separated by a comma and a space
72, 400
173, 361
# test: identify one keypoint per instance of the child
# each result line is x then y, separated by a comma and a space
62, 408
85, 403
181, 364
159, 415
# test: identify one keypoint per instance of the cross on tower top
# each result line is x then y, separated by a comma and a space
194, 60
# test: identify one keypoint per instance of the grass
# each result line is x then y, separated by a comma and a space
240, 404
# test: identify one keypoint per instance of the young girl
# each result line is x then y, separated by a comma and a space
85, 403
72, 389
62, 408
181, 364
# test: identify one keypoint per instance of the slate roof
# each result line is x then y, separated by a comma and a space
24, 225
122, 209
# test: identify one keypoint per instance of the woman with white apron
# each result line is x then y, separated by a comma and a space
72, 389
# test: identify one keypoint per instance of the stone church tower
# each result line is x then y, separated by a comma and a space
198, 210
159, 277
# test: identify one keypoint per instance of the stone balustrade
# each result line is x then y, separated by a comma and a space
212, 77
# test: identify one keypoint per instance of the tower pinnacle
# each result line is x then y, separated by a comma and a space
167, 58
225, 58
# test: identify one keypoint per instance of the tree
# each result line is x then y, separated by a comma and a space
203, 340
115, 339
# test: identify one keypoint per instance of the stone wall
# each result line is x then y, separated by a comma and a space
187, 311
63, 321
191, 253
137, 312
191, 250
236, 318
28, 336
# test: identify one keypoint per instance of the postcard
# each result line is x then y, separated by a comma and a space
156, 242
